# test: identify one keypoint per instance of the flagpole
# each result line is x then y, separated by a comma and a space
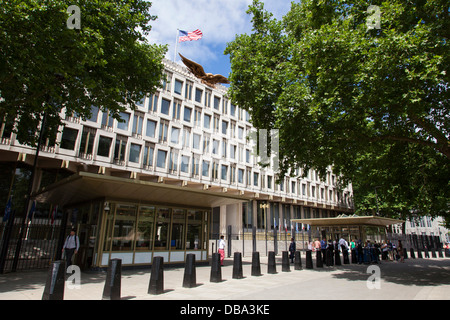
176, 46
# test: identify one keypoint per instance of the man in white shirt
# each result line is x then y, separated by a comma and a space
221, 248
71, 246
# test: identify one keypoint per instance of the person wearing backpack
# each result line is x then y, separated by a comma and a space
71, 246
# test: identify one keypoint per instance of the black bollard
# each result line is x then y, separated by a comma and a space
319, 260
309, 263
237, 266
190, 275
256, 266
285, 262
411, 253
216, 268
112, 288
426, 253
419, 254
405, 253
441, 255
54, 285
271, 263
297, 261
156, 285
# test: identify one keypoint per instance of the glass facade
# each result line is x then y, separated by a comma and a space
136, 232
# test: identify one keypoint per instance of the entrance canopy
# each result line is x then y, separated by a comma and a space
353, 220
85, 186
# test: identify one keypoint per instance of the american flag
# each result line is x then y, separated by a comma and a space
189, 36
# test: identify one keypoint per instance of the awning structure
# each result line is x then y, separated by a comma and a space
353, 220
85, 186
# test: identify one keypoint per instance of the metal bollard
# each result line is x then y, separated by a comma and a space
309, 263
216, 268
111, 290
271, 263
411, 253
256, 266
319, 260
297, 261
237, 266
285, 262
190, 276
156, 285
54, 286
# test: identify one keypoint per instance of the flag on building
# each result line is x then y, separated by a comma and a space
8, 210
189, 36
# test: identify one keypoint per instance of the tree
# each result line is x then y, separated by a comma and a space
346, 93
47, 65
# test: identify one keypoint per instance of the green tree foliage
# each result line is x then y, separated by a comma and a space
46, 66
373, 102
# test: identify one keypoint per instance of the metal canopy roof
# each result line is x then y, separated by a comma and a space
353, 220
85, 186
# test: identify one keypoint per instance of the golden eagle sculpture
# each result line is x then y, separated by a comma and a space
206, 78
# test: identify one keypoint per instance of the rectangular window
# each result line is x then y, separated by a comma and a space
205, 168
176, 109
165, 106
184, 164
232, 110
153, 103
104, 146
255, 178
137, 123
206, 121
216, 103
94, 114
198, 95
240, 175
224, 172
87, 141
178, 86
215, 149
151, 128
135, 153
188, 90
173, 161
107, 120
175, 135
119, 150
224, 127
148, 155
195, 166
197, 116
69, 138
161, 159
167, 79
196, 141
186, 137
163, 128
125, 117
206, 140
208, 94
187, 114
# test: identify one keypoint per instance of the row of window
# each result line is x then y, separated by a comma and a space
204, 97
150, 156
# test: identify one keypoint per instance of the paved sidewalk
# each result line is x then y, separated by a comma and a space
416, 279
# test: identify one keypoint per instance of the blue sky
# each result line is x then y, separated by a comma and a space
219, 20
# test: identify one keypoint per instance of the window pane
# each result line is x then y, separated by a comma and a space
104, 146
178, 86
178, 229
161, 161
165, 106
151, 127
135, 152
69, 138
126, 118
198, 95
162, 229
187, 114
175, 135
184, 164
144, 237
123, 235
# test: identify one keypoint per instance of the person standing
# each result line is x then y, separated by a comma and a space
221, 248
292, 250
71, 246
